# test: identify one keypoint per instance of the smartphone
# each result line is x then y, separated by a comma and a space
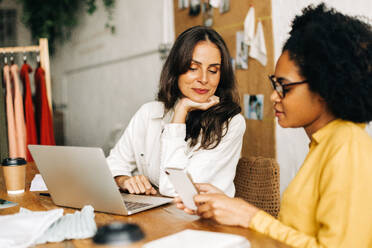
184, 187
7, 204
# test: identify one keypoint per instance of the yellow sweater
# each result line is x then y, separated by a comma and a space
329, 202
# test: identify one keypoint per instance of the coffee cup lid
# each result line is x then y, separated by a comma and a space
13, 161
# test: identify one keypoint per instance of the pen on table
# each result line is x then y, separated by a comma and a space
44, 194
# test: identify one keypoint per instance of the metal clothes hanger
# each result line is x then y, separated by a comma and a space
24, 58
38, 60
11, 59
5, 59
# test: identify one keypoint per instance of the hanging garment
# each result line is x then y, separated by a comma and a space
19, 114
12, 139
258, 47
29, 108
14, 110
43, 114
249, 24
3, 126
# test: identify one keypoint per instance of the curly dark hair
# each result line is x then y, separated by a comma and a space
212, 124
334, 54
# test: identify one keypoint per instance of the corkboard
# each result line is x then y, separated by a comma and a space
259, 137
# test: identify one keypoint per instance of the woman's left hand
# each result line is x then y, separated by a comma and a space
191, 105
185, 105
225, 210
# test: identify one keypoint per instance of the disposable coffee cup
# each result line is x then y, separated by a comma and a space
14, 172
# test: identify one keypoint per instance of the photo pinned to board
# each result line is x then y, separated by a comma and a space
241, 59
215, 3
224, 6
233, 64
194, 7
183, 4
253, 106
207, 11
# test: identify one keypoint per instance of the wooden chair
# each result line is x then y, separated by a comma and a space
257, 182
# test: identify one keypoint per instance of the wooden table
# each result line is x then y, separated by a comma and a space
156, 223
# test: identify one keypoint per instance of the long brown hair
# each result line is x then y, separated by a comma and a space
213, 123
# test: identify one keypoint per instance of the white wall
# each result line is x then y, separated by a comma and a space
23, 34
103, 78
292, 144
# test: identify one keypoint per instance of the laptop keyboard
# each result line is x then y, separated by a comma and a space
135, 205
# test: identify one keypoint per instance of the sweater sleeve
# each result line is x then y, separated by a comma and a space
265, 223
216, 166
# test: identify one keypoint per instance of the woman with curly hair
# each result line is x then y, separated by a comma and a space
323, 83
194, 125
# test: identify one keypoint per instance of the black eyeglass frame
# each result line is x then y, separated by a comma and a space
279, 87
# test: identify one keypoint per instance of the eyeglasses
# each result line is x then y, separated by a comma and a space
279, 86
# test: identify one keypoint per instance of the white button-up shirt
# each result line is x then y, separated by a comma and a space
150, 144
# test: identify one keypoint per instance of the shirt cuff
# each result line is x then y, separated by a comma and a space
116, 173
175, 130
261, 221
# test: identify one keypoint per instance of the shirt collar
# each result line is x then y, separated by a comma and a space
161, 113
319, 135
158, 113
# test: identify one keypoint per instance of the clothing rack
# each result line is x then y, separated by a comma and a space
42, 48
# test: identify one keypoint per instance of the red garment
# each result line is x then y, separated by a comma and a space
44, 116
29, 109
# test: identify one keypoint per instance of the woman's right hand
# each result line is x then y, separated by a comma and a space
203, 188
135, 185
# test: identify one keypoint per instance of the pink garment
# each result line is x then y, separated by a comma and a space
12, 140
19, 113
15, 113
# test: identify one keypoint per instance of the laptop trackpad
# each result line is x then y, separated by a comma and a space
133, 202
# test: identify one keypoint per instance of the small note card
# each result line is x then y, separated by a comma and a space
38, 184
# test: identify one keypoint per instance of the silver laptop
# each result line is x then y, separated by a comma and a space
79, 176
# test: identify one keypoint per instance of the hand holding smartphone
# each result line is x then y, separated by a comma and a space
183, 185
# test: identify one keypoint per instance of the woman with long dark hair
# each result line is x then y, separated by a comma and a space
323, 83
195, 124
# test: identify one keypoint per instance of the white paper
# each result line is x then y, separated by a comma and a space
183, 4
215, 3
258, 47
249, 24
200, 239
38, 184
